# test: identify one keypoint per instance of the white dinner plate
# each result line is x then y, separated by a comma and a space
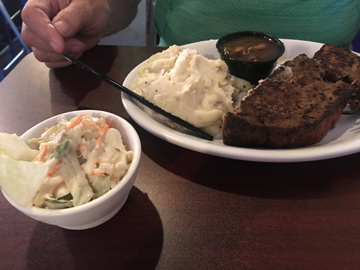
343, 140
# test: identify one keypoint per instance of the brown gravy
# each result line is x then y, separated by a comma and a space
250, 48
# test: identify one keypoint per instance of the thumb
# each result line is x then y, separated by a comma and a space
69, 20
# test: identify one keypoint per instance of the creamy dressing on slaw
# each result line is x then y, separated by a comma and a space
85, 158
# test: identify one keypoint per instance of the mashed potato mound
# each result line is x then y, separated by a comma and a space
190, 86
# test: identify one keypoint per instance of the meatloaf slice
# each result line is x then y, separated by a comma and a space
293, 107
336, 64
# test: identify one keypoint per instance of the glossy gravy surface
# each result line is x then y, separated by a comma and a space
250, 48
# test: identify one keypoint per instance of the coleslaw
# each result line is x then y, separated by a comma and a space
78, 160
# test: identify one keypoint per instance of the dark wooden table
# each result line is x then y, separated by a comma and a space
187, 210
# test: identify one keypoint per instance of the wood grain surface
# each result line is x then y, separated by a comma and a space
186, 210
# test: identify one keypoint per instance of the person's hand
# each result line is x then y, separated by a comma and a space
52, 27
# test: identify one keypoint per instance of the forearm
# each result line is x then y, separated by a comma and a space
122, 13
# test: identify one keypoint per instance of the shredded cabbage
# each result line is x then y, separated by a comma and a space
76, 161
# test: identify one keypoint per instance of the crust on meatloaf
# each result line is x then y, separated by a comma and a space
337, 64
293, 107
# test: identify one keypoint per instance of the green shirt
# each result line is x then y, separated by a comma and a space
327, 21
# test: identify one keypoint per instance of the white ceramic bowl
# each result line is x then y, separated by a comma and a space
103, 208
